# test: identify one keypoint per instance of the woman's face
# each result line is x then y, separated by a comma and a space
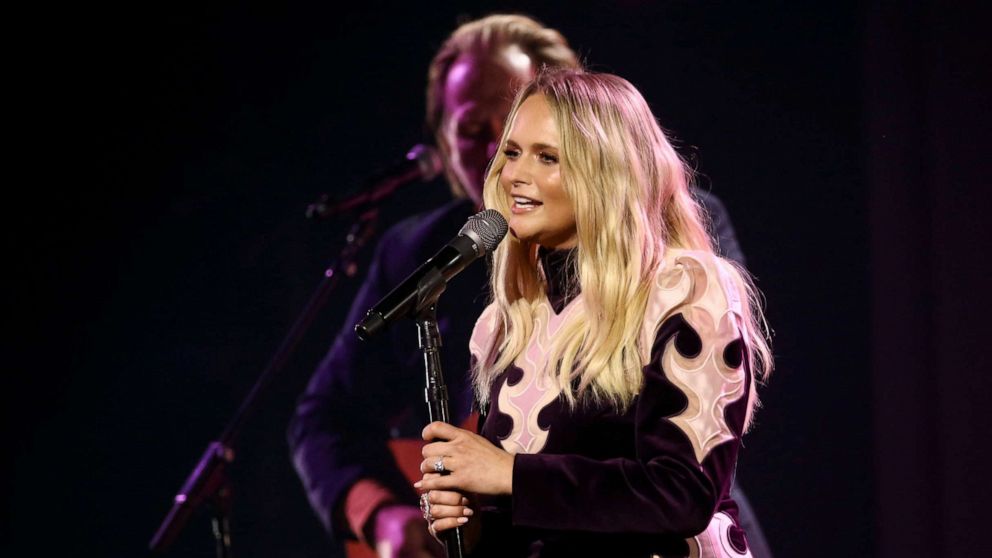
478, 94
541, 211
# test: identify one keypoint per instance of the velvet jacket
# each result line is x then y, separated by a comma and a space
653, 479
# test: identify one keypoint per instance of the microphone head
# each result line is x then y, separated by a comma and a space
488, 226
428, 161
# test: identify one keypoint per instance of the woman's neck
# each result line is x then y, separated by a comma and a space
559, 272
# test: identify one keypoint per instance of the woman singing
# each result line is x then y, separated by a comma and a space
616, 366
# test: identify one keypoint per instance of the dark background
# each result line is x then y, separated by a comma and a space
158, 252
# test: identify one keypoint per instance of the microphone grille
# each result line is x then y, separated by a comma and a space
489, 225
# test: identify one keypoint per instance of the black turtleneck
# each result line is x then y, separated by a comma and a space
559, 272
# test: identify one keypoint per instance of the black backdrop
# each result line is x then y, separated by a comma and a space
159, 251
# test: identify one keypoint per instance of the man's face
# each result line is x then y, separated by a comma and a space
478, 94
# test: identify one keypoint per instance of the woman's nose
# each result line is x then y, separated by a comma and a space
516, 173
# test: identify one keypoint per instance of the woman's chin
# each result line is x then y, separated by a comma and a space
524, 235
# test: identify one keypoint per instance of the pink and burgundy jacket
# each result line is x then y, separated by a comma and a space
652, 480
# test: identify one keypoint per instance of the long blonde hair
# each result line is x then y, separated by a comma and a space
630, 195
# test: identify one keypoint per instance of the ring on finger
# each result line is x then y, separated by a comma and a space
425, 507
439, 465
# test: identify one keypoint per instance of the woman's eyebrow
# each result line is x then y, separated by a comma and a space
537, 146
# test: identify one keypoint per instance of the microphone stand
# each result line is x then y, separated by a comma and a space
417, 297
209, 481
429, 289
436, 392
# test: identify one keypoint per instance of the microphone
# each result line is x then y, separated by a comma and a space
422, 163
480, 235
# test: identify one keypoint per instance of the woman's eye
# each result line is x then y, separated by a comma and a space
549, 158
511, 153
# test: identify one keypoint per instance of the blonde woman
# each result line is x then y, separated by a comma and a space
616, 366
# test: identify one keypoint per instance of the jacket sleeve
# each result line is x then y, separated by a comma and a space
339, 432
688, 420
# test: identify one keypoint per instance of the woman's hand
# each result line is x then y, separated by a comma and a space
446, 510
474, 465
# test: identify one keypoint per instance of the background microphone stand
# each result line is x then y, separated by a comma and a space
209, 482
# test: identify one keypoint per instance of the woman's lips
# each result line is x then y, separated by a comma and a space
524, 205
